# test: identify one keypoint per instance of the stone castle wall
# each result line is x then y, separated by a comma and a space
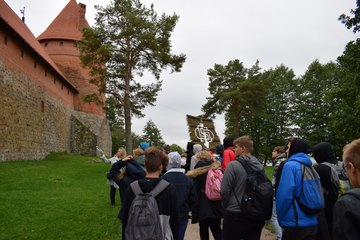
32, 123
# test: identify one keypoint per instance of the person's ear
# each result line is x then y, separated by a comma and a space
351, 168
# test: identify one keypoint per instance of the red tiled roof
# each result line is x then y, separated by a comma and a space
68, 24
15, 23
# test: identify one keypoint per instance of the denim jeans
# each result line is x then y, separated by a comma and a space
274, 222
182, 228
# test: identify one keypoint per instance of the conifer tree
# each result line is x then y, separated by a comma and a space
128, 39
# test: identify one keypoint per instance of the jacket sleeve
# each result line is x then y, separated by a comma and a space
192, 195
103, 157
114, 170
285, 191
226, 159
227, 185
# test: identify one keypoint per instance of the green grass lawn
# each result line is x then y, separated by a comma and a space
61, 197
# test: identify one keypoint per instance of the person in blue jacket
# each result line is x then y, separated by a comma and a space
302, 226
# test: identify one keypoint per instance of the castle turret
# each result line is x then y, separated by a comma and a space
60, 42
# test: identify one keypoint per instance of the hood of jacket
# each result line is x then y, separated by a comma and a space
323, 152
301, 158
202, 167
174, 160
197, 148
299, 145
252, 161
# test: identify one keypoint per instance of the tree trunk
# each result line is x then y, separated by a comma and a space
127, 110
127, 115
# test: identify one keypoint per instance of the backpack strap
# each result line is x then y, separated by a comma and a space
248, 170
136, 188
245, 165
159, 187
296, 198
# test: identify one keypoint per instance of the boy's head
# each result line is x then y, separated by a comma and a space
277, 151
243, 145
351, 158
155, 160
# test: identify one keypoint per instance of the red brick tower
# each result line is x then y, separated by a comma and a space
59, 41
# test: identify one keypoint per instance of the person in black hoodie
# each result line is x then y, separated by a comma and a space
206, 212
189, 153
325, 157
346, 219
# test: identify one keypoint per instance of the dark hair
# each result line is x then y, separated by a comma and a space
228, 142
299, 145
154, 158
219, 148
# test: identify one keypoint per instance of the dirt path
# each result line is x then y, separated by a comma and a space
192, 233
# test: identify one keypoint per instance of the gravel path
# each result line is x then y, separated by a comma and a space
192, 233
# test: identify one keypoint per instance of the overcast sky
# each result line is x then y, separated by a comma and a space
293, 33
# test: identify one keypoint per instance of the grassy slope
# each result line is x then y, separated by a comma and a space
61, 197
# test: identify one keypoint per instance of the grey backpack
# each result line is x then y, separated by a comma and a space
144, 219
334, 178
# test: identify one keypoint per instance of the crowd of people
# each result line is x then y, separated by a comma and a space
314, 194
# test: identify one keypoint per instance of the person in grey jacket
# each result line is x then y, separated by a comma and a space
236, 225
346, 219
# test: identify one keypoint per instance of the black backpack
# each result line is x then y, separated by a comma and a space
144, 219
257, 201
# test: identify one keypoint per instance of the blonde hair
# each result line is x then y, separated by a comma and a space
204, 155
121, 153
351, 153
138, 152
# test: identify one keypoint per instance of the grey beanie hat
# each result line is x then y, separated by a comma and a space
174, 160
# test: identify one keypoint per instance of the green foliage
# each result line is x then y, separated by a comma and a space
312, 108
233, 89
176, 148
321, 105
268, 125
62, 197
346, 96
137, 139
152, 134
275, 120
127, 40
354, 21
